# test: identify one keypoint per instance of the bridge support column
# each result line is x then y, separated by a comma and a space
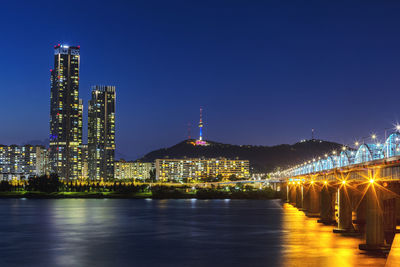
306, 197
292, 194
360, 220
314, 193
395, 187
398, 211
327, 212
374, 221
389, 219
390, 210
345, 218
284, 192
299, 196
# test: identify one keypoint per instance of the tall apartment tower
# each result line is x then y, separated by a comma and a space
65, 113
101, 133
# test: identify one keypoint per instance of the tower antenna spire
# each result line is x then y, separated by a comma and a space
200, 141
189, 137
201, 124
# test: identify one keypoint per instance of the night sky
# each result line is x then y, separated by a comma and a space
265, 72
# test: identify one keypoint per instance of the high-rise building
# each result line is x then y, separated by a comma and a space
65, 113
101, 133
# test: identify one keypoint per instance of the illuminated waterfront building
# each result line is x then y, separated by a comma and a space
133, 170
101, 133
65, 113
197, 169
22, 161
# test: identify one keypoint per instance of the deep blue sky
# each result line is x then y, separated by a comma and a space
266, 72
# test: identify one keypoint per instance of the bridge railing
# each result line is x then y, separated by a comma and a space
365, 153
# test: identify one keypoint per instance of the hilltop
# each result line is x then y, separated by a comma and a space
262, 158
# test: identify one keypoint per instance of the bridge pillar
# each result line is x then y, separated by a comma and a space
374, 220
398, 211
327, 211
395, 188
299, 196
284, 192
345, 218
306, 197
389, 219
390, 209
360, 207
314, 193
292, 194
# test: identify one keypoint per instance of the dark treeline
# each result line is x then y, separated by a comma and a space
52, 184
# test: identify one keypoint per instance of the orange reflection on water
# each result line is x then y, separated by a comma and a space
308, 243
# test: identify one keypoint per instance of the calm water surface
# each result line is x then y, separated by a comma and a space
111, 232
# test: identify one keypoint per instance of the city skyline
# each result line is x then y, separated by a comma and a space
251, 90
209, 133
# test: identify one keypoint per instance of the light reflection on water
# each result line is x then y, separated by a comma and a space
96, 232
308, 243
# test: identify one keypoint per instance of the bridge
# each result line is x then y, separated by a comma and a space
357, 190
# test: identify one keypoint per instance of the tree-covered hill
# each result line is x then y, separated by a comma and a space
262, 158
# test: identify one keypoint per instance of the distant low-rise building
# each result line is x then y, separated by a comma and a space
23, 161
196, 169
132, 170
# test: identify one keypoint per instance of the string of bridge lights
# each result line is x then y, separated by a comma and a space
363, 152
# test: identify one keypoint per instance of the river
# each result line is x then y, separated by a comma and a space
132, 232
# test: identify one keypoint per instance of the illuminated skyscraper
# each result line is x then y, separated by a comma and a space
65, 113
101, 133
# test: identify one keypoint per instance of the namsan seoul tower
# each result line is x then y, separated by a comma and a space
200, 141
201, 125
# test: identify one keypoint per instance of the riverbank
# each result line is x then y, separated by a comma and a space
156, 194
